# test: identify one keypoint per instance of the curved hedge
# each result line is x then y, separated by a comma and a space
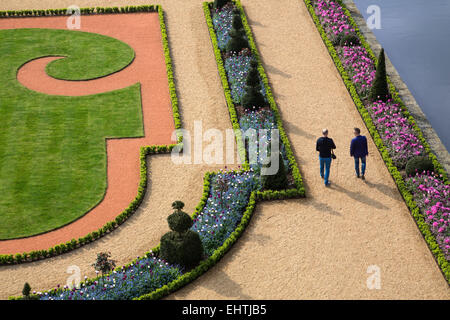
393, 170
6, 259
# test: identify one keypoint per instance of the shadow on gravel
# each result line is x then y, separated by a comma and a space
360, 197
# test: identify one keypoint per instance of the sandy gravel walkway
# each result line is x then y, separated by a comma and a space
321, 247
318, 247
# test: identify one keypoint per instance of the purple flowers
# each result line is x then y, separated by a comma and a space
143, 276
228, 198
222, 20
396, 132
359, 66
333, 18
433, 198
394, 128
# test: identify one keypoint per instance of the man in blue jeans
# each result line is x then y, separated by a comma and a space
324, 145
358, 150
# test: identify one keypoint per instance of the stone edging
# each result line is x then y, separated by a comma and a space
436, 145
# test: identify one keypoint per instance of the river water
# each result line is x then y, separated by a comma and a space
416, 36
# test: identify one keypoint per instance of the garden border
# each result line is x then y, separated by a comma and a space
438, 255
299, 190
255, 196
9, 259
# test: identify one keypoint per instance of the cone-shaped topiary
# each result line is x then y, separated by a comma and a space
349, 40
253, 98
419, 164
26, 290
277, 181
380, 90
181, 246
237, 41
218, 4
237, 21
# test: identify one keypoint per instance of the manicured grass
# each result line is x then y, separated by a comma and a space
52, 148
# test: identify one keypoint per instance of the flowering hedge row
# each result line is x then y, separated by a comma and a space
361, 68
394, 171
433, 198
149, 150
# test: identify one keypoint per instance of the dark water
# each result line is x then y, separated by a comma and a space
416, 36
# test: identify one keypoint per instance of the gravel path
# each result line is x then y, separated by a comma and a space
318, 247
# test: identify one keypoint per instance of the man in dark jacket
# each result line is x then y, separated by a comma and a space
358, 150
324, 145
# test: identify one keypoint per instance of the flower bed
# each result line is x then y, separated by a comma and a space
359, 66
395, 130
433, 198
128, 282
261, 120
228, 197
409, 139
237, 68
222, 20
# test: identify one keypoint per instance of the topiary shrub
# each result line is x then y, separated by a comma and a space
237, 40
181, 245
277, 181
218, 4
419, 164
253, 98
380, 90
349, 40
26, 291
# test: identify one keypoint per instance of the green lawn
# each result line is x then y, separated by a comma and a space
52, 148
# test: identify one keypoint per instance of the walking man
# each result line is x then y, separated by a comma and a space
325, 145
358, 150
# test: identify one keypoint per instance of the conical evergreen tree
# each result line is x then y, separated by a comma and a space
380, 90
277, 181
253, 98
237, 35
218, 4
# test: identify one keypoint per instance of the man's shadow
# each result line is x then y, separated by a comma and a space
358, 196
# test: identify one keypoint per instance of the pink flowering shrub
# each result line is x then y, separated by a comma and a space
433, 198
359, 66
333, 19
395, 130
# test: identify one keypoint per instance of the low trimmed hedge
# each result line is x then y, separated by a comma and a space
83, 11
6, 259
393, 170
